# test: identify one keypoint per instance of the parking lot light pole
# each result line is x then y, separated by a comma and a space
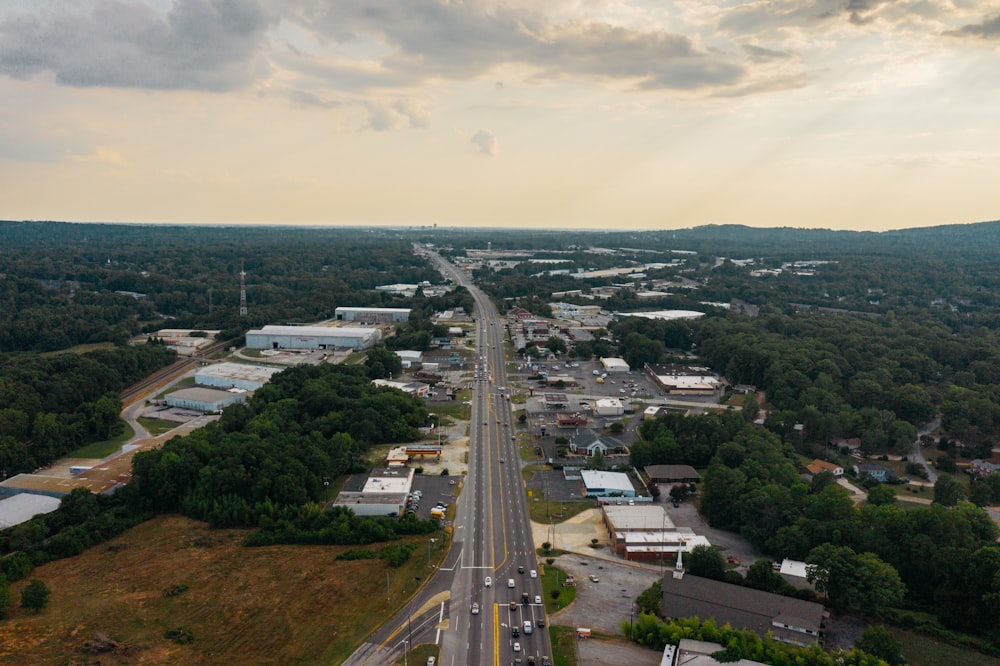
429, 542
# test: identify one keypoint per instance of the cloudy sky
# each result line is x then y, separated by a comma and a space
636, 114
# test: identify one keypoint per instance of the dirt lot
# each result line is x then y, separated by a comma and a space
603, 605
594, 651
730, 544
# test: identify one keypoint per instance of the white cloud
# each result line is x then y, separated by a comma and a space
486, 142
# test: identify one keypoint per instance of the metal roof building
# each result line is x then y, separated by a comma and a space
23, 507
602, 484
203, 399
235, 375
373, 315
312, 337
612, 364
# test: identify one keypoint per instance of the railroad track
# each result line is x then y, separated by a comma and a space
178, 367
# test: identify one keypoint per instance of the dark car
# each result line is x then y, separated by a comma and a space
515, 632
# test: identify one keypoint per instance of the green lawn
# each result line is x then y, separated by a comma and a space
921, 650
552, 578
156, 426
418, 655
98, 450
187, 382
563, 646
556, 512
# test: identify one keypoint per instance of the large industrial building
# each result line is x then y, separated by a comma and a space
203, 399
313, 337
373, 315
235, 375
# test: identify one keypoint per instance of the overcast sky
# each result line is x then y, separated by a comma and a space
634, 114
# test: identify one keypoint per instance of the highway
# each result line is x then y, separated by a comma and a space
492, 537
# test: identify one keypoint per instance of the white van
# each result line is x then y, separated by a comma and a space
527, 627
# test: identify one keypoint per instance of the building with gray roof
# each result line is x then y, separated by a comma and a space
787, 619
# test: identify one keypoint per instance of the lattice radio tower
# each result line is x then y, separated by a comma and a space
243, 290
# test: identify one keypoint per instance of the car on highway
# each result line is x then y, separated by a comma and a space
489, 582
538, 599
515, 632
594, 579
502, 460
475, 609
510, 582
533, 573
517, 647
520, 569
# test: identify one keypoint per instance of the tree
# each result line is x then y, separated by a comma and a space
853, 582
383, 363
556, 345
879, 641
881, 495
762, 575
617, 427
35, 596
5, 598
705, 561
947, 491
751, 407
650, 600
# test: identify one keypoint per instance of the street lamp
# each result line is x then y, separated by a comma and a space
429, 542
631, 614
406, 649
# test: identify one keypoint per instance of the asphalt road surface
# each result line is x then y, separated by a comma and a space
492, 537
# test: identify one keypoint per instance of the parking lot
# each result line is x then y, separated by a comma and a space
602, 605
435, 489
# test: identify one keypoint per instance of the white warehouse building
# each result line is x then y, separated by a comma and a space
234, 375
312, 337
373, 315
203, 399
612, 364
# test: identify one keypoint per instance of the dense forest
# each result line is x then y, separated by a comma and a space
60, 283
267, 465
50, 405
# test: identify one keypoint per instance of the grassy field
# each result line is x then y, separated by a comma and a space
920, 650
157, 426
187, 382
552, 578
81, 349
98, 450
274, 605
556, 512
563, 646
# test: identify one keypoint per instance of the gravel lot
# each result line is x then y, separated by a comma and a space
595, 651
730, 544
602, 606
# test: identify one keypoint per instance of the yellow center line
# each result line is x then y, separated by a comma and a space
496, 635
